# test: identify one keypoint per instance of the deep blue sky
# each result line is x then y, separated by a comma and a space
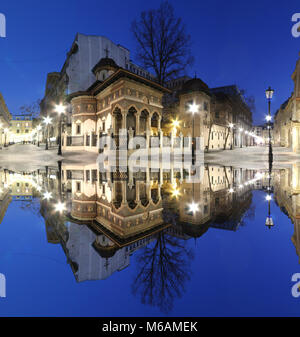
249, 44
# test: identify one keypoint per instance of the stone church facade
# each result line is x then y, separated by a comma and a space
118, 99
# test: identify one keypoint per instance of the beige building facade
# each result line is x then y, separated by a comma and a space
5, 117
21, 130
287, 118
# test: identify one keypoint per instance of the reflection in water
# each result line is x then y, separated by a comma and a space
110, 216
163, 270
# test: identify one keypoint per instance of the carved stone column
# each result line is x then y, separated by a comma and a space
137, 192
159, 124
124, 118
124, 193
137, 122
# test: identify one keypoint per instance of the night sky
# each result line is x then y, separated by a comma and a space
234, 42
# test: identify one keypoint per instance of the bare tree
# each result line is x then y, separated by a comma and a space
32, 109
163, 43
249, 100
163, 271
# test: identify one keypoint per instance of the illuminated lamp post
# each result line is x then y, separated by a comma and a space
60, 109
193, 108
47, 121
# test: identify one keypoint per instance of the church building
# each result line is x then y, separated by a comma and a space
118, 99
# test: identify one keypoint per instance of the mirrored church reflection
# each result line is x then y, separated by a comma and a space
152, 214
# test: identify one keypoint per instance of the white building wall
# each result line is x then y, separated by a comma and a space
90, 265
90, 50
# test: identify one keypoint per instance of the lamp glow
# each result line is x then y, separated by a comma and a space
47, 195
175, 123
268, 118
193, 207
193, 108
60, 207
47, 120
60, 109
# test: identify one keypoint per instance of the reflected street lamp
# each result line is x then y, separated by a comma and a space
269, 220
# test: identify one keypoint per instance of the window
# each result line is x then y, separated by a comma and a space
205, 209
18, 131
78, 187
26, 130
78, 129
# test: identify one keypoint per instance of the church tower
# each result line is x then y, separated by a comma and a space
104, 68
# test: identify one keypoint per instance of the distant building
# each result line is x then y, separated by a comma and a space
5, 118
223, 119
262, 134
21, 129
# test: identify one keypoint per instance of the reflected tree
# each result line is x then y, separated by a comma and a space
163, 270
32, 206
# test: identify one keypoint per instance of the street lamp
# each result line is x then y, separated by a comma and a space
241, 137
38, 129
60, 109
5, 134
231, 127
47, 121
269, 95
1, 125
193, 108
